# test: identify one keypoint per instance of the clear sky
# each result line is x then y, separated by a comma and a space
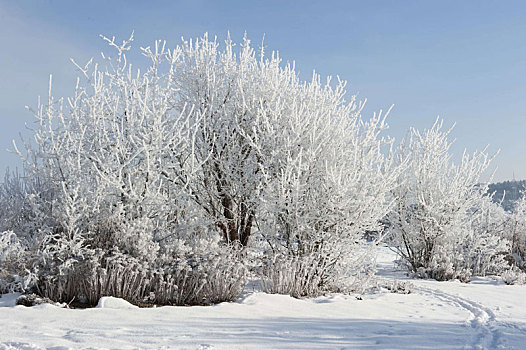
462, 60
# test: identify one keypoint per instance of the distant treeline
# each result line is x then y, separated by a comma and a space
508, 192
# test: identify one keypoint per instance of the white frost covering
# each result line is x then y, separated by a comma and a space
483, 314
114, 303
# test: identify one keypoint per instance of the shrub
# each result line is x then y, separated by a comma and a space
15, 262
515, 232
442, 224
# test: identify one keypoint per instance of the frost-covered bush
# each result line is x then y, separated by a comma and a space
124, 163
129, 183
337, 269
206, 273
514, 276
24, 209
15, 264
328, 179
396, 286
298, 276
487, 248
327, 173
515, 232
442, 224
26, 203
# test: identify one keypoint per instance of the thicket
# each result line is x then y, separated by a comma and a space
172, 184
444, 224
216, 164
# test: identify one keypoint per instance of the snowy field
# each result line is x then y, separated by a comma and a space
483, 314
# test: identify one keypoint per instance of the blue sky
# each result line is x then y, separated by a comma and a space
462, 60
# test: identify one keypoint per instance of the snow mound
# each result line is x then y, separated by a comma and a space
114, 303
266, 300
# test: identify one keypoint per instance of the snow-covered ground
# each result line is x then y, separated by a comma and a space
436, 315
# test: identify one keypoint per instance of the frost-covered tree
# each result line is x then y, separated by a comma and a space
439, 221
230, 92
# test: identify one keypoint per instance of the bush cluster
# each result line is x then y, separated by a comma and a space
174, 183
177, 183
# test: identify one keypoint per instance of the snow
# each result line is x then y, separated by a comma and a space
114, 303
483, 314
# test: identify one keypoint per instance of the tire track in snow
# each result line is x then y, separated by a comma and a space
481, 318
